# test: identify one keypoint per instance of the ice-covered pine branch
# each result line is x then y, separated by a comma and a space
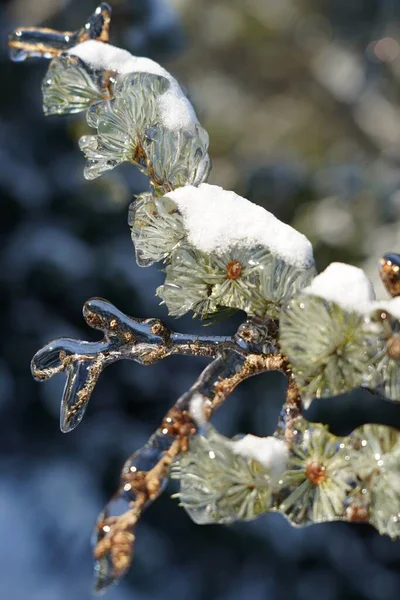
327, 333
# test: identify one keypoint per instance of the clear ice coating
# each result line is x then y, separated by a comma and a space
378, 464
280, 281
156, 228
105, 573
332, 350
122, 123
71, 86
388, 380
319, 477
113, 537
84, 361
141, 340
129, 128
178, 157
250, 279
34, 42
219, 486
78, 361
389, 270
328, 478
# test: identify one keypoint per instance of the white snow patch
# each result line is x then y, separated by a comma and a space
100, 55
347, 286
217, 220
270, 452
176, 112
390, 306
196, 409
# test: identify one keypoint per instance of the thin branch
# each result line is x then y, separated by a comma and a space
141, 159
292, 408
145, 474
142, 340
27, 42
252, 350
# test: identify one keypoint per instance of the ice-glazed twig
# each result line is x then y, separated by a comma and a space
29, 42
145, 474
252, 350
142, 340
292, 407
389, 270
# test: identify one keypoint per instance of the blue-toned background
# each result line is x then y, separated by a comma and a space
302, 104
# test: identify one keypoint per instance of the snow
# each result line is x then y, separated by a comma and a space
175, 109
390, 306
100, 55
176, 112
347, 286
217, 220
270, 452
196, 409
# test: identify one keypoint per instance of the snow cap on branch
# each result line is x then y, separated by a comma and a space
217, 220
175, 109
270, 452
347, 286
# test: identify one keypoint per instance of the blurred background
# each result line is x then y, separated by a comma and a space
301, 99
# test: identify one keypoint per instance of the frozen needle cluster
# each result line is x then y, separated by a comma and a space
327, 333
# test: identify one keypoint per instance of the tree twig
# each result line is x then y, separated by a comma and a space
142, 340
145, 474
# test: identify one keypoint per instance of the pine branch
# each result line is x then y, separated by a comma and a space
222, 254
